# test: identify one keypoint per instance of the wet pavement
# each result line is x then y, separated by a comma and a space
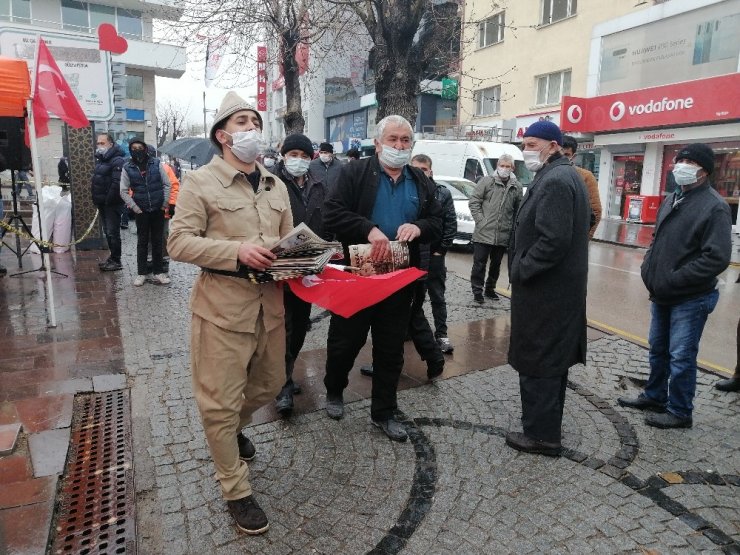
342, 487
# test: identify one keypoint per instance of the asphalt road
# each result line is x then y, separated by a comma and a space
618, 301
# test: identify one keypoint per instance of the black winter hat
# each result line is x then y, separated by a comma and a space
297, 142
326, 147
700, 153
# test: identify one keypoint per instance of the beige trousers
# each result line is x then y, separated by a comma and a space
234, 374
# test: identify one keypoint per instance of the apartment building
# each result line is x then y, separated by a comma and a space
520, 57
69, 27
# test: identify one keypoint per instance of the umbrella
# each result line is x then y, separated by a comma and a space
196, 150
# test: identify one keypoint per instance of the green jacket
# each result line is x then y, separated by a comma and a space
494, 205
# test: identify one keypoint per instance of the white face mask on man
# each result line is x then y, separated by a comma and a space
246, 145
532, 159
394, 158
325, 158
685, 174
296, 166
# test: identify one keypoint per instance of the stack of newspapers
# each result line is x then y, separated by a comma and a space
301, 252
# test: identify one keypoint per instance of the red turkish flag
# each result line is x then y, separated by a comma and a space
346, 294
52, 94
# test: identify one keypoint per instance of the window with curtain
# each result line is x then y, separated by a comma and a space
555, 10
488, 101
491, 30
552, 87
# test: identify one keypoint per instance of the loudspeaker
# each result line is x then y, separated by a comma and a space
12, 143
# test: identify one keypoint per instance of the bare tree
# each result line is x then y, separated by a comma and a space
286, 24
171, 122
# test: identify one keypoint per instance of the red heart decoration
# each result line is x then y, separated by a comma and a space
110, 40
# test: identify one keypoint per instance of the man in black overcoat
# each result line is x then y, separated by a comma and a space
548, 270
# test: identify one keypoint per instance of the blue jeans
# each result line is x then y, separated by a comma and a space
675, 331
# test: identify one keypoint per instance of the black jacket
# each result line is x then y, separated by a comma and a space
329, 176
548, 269
449, 219
307, 202
692, 245
107, 177
348, 210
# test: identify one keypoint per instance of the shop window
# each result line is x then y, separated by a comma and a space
552, 87
473, 170
555, 10
487, 101
135, 87
74, 16
626, 180
491, 30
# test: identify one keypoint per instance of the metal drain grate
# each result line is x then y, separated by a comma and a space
96, 503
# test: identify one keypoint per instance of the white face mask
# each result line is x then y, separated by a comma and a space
296, 166
246, 145
394, 158
685, 174
532, 159
268, 162
101, 150
325, 158
503, 173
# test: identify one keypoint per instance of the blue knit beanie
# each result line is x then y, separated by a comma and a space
545, 130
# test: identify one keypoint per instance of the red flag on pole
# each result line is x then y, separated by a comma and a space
346, 294
52, 94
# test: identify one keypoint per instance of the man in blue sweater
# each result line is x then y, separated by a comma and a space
691, 246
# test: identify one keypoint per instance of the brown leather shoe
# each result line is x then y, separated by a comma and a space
521, 442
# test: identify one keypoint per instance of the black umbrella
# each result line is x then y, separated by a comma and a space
196, 150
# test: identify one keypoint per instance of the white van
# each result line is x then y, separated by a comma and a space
471, 159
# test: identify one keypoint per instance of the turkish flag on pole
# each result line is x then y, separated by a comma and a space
346, 294
52, 94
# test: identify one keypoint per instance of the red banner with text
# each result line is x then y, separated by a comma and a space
716, 99
262, 78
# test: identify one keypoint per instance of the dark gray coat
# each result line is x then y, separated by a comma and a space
548, 270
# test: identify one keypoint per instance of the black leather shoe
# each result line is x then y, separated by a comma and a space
247, 450
478, 298
284, 403
297, 389
249, 517
435, 369
521, 442
367, 370
641, 402
491, 294
111, 266
668, 420
334, 407
730, 384
103, 263
392, 428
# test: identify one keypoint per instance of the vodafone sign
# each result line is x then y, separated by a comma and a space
704, 100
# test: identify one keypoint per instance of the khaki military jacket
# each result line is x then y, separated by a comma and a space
217, 210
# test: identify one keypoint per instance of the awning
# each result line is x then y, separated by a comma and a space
15, 87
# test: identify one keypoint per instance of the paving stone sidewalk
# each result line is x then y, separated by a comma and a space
342, 487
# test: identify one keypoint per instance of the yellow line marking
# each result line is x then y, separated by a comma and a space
640, 340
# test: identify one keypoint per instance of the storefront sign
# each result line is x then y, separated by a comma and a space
85, 67
522, 122
704, 100
262, 78
702, 42
703, 133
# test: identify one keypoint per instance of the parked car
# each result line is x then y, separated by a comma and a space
461, 190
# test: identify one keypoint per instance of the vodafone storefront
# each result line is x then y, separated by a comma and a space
639, 133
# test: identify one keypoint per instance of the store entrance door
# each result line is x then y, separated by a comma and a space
626, 180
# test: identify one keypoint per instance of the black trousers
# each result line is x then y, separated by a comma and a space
419, 329
482, 253
149, 229
437, 285
387, 321
543, 400
297, 315
110, 220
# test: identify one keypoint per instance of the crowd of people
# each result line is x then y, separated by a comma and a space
246, 337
